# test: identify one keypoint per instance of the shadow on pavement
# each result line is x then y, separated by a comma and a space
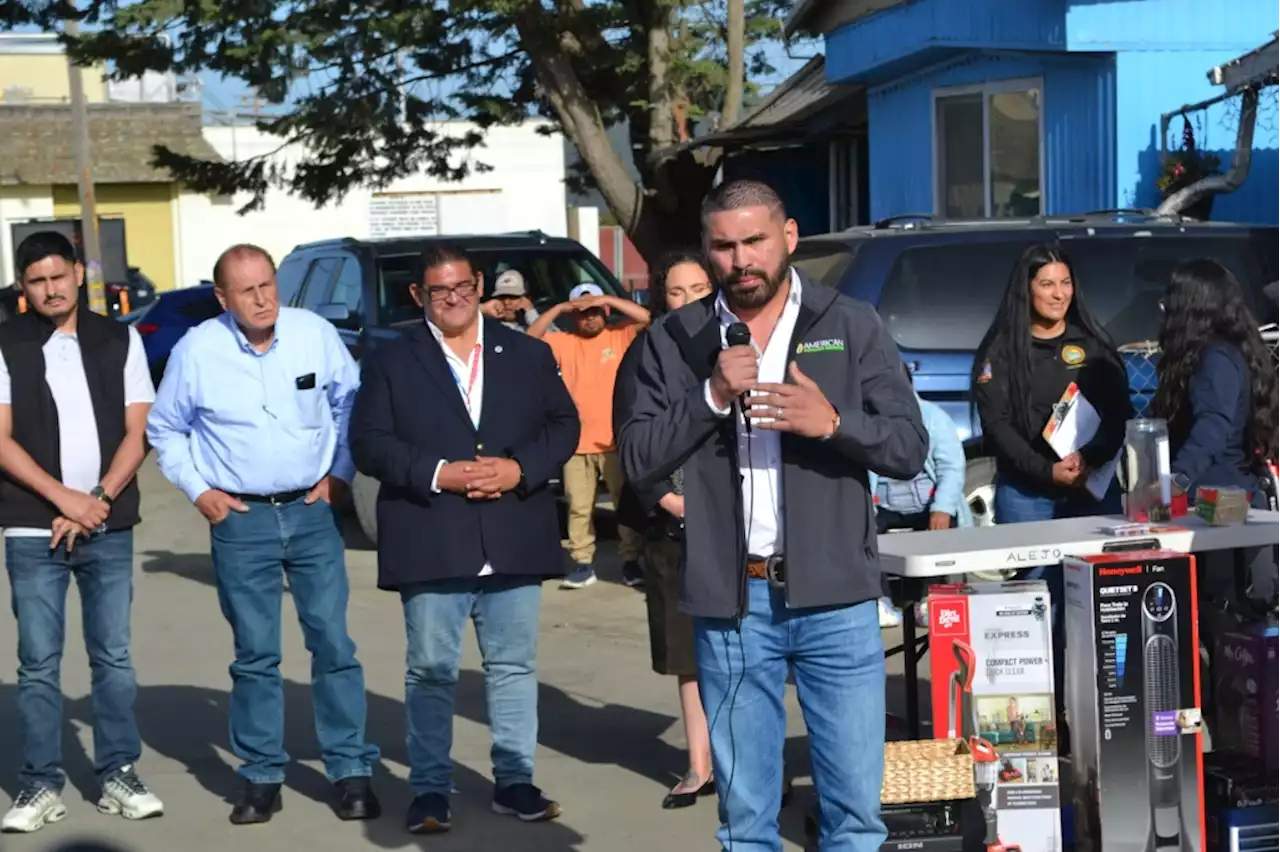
197, 567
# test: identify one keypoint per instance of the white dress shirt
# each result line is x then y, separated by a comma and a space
472, 392
760, 451
79, 455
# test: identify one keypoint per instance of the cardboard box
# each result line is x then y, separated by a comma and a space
991, 664
1133, 700
1246, 693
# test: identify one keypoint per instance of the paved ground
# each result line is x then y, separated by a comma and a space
610, 741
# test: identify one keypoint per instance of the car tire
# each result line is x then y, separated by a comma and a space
980, 494
364, 496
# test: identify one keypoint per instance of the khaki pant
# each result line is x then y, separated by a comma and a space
581, 475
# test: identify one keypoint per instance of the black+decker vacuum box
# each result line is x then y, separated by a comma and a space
1133, 701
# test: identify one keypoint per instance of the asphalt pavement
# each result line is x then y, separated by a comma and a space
610, 739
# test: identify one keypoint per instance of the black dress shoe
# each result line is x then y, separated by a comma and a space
356, 799
257, 804
688, 791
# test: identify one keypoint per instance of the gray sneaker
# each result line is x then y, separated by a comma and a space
34, 808
581, 577
124, 794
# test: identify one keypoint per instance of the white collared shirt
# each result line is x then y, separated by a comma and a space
472, 396
760, 451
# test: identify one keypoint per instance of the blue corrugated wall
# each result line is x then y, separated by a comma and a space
1079, 110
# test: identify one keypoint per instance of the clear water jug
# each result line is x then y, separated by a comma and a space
1148, 479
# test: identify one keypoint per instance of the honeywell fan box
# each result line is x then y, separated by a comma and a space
991, 660
1133, 699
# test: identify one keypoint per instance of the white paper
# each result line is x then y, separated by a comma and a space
1078, 426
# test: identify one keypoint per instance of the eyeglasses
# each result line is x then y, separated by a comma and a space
464, 290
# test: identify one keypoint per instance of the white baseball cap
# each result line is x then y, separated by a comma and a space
509, 283
585, 290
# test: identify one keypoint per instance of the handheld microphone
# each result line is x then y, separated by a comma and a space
737, 334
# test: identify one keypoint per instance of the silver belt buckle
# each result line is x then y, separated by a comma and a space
771, 566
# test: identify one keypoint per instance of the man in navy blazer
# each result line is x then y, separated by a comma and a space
464, 422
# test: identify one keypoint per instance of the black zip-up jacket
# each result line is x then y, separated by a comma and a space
829, 520
1075, 356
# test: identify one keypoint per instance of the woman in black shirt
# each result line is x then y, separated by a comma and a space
1043, 339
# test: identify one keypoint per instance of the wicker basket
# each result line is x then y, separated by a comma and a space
926, 771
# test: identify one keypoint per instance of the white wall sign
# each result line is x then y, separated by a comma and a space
403, 214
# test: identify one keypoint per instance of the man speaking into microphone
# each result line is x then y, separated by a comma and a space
780, 537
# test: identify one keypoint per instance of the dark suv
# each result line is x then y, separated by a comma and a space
362, 287
937, 286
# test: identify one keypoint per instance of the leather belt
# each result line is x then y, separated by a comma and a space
772, 568
274, 499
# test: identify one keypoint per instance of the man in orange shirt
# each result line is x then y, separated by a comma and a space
589, 357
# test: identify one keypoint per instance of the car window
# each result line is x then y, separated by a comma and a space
200, 308
347, 289
549, 275
289, 278
319, 283
1121, 278
823, 262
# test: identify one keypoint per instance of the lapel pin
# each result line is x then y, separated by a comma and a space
498, 349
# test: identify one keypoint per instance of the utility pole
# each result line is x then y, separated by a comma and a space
84, 169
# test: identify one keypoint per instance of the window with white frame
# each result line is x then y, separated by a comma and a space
987, 150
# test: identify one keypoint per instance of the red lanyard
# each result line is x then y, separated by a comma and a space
471, 382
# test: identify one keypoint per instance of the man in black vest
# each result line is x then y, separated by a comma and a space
74, 397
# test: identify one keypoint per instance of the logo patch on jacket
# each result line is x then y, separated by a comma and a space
985, 375
831, 344
1072, 356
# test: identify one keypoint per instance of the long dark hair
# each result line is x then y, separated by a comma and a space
1205, 304
1007, 343
658, 276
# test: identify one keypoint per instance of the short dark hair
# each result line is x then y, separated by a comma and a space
440, 253
239, 250
737, 194
37, 247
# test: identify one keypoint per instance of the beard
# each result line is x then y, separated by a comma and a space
759, 296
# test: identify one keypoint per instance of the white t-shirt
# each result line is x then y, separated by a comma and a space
79, 454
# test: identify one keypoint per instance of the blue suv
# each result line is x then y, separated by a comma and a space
937, 285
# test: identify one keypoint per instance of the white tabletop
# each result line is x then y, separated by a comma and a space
961, 551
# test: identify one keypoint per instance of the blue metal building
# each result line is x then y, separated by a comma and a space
1018, 107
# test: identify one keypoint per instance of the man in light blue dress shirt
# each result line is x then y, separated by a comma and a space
250, 423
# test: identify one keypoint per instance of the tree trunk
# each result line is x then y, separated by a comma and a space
581, 119
737, 24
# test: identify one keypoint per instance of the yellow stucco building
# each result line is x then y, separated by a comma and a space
38, 178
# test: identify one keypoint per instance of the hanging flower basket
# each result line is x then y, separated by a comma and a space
1187, 165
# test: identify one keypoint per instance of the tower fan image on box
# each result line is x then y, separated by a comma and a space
992, 674
1135, 713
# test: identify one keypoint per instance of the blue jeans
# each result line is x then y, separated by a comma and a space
505, 612
38, 579
837, 656
252, 553
1017, 505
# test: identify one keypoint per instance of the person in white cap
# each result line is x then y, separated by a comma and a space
589, 357
509, 302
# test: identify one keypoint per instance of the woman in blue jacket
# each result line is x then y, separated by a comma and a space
934, 500
1217, 382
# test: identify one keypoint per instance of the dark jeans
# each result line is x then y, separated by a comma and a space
1016, 505
38, 579
252, 553
505, 613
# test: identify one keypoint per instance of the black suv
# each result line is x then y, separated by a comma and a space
362, 287
937, 285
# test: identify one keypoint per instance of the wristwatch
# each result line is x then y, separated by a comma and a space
835, 425
100, 493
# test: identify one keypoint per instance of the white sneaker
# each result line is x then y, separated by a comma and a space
34, 808
124, 793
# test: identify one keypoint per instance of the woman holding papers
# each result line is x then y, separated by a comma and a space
1217, 382
1053, 397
